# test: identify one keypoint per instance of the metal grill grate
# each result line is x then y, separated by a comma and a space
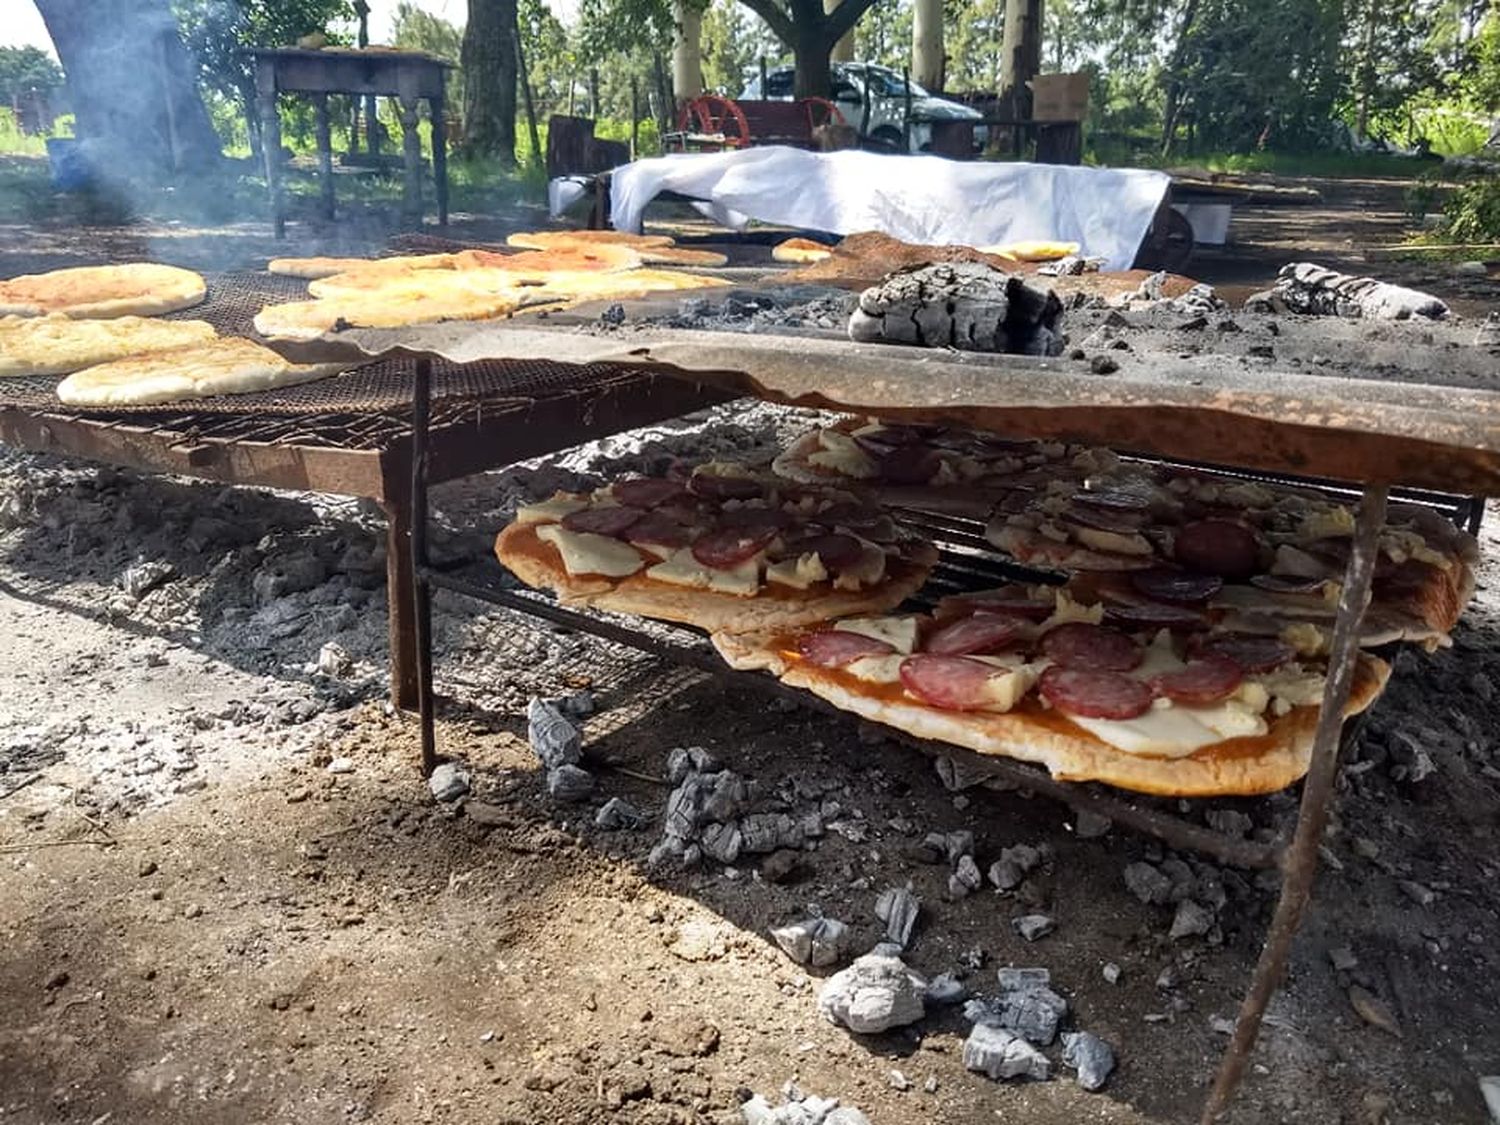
367, 408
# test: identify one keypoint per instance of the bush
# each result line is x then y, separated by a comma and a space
1472, 213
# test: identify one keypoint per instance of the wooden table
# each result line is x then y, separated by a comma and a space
407, 76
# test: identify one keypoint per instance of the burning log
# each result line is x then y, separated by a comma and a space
965, 305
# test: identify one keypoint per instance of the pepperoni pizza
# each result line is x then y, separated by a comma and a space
1030, 673
720, 549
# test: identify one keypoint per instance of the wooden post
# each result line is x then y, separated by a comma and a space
270, 138
437, 105
411, 151
325, 153
635, 117
525, 76
594, 93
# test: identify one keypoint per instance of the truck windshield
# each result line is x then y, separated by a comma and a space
887, 84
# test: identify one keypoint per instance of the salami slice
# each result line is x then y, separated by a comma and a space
909, 464
1177, 618
649, 492
1121, 521
835, 551
1094, 694
1178, 586
983, 632
1006, 601
950, 682
1252, 654
711, 486
1221, 547
1079, 644
835, 648
657, 529
1201, 682
730, 546
612, 521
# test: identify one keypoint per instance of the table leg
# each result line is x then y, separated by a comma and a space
1300, 867
437, 106
270, 143
325, 153
411, 149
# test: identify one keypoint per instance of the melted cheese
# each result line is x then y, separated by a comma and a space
898, 632
1100, 540
867, 572
1065, 609
1004, 690
586, 553
552, 510
682, 569
798, 573
1335, 522
1306, 638
842, 454
877, 669
1294, 685
1400, 544
1171, 732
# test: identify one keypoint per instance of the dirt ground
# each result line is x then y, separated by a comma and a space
226, 894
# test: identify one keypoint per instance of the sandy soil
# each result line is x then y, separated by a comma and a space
226, 895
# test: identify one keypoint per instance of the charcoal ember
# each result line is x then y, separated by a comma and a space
1487, 335
998, 1054
945, 989
958, 844
722, 842
1091, 1056
1309, 288
898, 909
140, 579
1148, 884
554, 740
689, 759
1025, 1005
617, 813
1192, 919
819, 942
769, 832
966, 305
874, 994
965, 878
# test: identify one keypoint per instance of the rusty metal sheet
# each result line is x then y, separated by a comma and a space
1203, 407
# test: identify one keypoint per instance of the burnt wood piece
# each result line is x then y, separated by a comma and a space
970, 306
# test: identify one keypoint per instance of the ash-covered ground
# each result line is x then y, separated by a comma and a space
229, 896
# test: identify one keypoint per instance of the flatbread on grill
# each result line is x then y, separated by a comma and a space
1032, 732
308, 320
313, 268
56, 345
800, 251
133, 289
227, 366
548, 239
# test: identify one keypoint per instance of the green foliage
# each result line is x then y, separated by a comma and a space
417, 29
1472, 213
27, 68
1485, 54
12, 140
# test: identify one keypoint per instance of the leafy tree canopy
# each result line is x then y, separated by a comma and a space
27, 68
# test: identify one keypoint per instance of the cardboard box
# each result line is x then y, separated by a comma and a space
1060, 97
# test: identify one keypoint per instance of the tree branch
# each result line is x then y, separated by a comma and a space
843, 18
776, 19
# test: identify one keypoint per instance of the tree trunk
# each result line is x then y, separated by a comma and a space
488, 58
136, 104
1020, 51
1174, 78
843, 50
810, 48
927, 44
687, 47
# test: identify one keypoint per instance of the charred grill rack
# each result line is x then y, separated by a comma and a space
1445, 439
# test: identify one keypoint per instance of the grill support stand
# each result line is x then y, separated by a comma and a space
420, 592
1300, 863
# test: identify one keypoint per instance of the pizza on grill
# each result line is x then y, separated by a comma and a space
56, 345
1032, 674
331, 275
721, 549
1255, 554
132, 289
932, 467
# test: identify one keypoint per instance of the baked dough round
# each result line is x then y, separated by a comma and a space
56, 345
133, 289
383, 308
226, 366
800, 251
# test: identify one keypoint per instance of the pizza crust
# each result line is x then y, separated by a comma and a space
311, 269
224, 367
539, 565
394, 308
56, 345
547, 239
133, 289
800, 251
1240, 767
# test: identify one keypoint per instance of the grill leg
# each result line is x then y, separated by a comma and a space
422, 593
1300, 866
400, 588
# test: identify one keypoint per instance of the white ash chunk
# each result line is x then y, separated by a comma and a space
140, 579
1306, 287
722, 842
570, 784
965, 878
334, 660
689, 759
898, 908
1025, 1005
966, 305
1091, 1056
997, 1054
1034, 927
1191, 920
769, 832
819, 942
554, 740
945, 989
617, 813
873, 995
449, 782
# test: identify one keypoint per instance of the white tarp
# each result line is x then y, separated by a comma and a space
921, 199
